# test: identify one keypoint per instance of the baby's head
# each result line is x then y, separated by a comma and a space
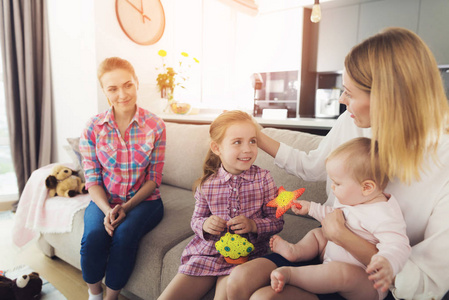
233, 143
353, 168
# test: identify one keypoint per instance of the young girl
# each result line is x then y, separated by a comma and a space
230, 196
371, 214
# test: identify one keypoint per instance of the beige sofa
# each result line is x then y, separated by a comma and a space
160, 250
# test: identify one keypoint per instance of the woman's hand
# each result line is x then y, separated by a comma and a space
381, 272
113, 218
334, 226
214, 225
242, 224
335, 230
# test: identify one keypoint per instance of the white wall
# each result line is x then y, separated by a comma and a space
72, 47
229, 44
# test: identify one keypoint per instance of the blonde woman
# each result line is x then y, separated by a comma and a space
394, 94
124, 151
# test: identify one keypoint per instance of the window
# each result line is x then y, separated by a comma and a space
232, 45
8, 181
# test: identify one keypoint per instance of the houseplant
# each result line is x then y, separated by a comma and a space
168, 79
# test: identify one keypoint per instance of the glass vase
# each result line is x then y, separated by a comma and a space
167, 97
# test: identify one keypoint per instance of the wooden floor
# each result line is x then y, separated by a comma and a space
67, 279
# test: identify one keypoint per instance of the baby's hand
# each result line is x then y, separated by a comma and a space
214, 225
381, 272
242, 224
304, 210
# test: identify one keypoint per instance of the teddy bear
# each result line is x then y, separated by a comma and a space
64, 182
25, 287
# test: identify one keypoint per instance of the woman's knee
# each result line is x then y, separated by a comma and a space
95, 239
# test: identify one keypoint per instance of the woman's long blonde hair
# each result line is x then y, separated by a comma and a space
217, 133
408, 106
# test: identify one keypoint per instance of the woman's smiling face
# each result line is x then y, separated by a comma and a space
357, 102
120, 88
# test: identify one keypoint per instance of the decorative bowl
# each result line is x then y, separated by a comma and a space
180, 108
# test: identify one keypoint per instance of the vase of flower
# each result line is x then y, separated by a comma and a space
168, 78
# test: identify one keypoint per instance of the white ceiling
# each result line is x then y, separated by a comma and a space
272, 5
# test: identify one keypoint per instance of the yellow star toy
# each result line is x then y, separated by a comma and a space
284, 200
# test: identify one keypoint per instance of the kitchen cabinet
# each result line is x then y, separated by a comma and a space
434, 28
343, 27
375, 16
337, 35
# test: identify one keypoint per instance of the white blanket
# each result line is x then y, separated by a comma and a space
37, 213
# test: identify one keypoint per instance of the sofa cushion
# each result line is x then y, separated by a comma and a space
174, 228
186, 149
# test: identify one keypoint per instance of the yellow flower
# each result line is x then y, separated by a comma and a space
169, 77
196, 60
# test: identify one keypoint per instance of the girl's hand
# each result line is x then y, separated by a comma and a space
214, 225
381, 272
242, 224
333, 226
305, 206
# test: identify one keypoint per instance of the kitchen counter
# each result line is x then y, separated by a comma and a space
313, 125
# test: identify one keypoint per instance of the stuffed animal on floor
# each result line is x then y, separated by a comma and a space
64, 182
25, 287
284, 200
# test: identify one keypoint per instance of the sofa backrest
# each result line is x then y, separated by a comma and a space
187, 146
315, 191
185, 151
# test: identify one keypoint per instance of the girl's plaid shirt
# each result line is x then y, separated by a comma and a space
122, 164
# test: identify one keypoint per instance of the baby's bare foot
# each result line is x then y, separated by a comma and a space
284, 248
278, 279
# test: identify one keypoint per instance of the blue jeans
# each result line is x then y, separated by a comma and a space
114, 257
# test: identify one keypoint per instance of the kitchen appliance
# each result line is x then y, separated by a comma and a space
326, 103
276, 90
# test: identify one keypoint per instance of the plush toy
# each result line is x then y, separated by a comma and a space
64, 182
234, 248
25, 287
284, 200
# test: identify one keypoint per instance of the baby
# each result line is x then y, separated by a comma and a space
369, 212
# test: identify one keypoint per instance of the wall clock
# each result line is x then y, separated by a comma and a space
143, 21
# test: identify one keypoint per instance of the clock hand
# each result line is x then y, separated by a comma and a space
145, 16
141, 7
143, 13
140, 11
133, 6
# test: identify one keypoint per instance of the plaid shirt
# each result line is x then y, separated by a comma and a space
122, 164
227, 196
